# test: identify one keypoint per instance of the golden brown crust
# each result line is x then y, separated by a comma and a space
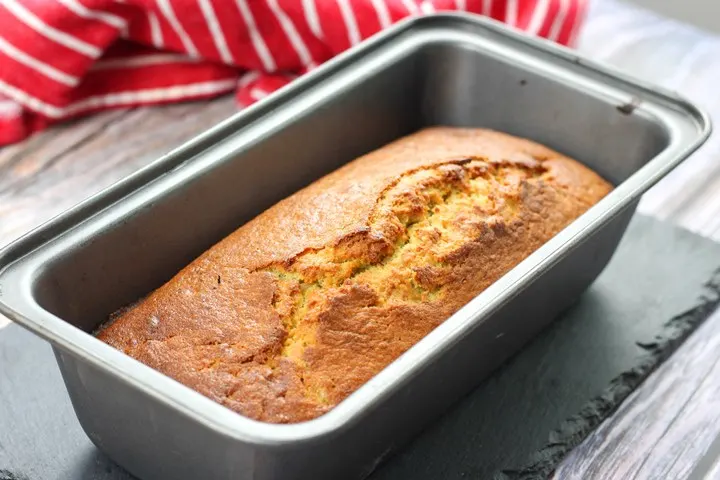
295, 310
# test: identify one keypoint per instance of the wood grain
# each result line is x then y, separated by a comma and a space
56, 169
664, 427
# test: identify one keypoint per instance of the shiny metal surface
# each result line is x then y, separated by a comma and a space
63, 279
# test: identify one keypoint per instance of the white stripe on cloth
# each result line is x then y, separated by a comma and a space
311, 16
411, 7
291, 33
245, 80
572, 38
486, 7
382, 12
82, 11
350, 22
216, 31
538, 17
8, 108
511, 12
257, 40
58, 36
118, 99
38, 65
257, 93
427, 7
560, 17
169, 14
143, 61
461, 5
156, 35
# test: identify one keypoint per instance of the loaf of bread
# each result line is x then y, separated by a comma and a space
295, 310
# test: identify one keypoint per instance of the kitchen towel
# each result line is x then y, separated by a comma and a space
64, 58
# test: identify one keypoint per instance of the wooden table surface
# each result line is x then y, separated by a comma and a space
664, 428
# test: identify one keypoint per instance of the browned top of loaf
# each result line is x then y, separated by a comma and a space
298, 308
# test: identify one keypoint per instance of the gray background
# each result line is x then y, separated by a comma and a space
703, 13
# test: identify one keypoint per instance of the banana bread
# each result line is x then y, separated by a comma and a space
295, 310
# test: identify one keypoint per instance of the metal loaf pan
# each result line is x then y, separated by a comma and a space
63, 279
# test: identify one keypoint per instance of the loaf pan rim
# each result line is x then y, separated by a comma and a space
79, 343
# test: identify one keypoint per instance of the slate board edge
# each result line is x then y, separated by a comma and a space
8, 475
575, 429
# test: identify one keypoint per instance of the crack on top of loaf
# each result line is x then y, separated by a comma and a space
408, 213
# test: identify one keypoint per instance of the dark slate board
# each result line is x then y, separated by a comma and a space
518, 424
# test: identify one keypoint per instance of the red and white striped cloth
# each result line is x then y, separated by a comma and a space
64, 58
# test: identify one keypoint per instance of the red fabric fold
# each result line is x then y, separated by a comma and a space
63, 58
